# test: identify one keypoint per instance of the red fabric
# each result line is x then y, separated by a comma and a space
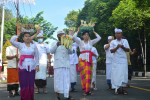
22, 57
51, 70
90, 55
77, 67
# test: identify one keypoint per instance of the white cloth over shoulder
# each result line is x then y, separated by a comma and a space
24, 50
43, 51
11, 51
84, 47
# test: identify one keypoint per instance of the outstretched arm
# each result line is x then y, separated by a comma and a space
32, 37
75, 38
98, 38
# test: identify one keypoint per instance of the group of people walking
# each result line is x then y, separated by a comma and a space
34, 58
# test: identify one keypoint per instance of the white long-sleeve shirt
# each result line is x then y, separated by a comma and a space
83, 46
61, 56
24, 50
74, 57
94, 58
120, 55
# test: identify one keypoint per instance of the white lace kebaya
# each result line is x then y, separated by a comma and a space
29, 63
84, 47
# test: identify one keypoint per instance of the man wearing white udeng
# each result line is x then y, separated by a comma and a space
119, 75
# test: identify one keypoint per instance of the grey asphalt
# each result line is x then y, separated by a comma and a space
101, 94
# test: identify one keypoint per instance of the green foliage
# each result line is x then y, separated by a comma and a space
47, 27
10, 25
4, 49
70, 20
132, 16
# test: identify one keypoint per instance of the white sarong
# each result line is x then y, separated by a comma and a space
108, 70
41, 74
73, 73
94, 73
119, 75
62, 81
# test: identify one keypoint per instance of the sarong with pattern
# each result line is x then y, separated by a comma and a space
85, 69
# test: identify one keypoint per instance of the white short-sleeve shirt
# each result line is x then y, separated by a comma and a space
11, 51
120, 55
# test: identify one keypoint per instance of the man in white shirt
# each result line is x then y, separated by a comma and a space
108, 61
119, 75
12, 70
61, 68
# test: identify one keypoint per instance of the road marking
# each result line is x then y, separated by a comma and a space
140, 88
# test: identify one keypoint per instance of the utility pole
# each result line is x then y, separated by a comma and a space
2, 28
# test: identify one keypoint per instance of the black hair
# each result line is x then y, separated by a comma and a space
84, 32
26, 33
20, 39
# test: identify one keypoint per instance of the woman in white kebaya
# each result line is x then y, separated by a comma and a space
28, 64
85, 59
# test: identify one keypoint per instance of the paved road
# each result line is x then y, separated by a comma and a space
140, 90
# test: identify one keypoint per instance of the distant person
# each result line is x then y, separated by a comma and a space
130, 68
74, 60
108, 61
12, 70
94, 58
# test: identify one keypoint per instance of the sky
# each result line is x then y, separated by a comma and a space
55, 11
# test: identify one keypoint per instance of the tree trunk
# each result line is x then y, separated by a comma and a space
143, 56
145, 52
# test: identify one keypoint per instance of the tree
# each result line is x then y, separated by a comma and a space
71, 19
130, 16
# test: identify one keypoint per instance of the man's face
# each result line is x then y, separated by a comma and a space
118, 35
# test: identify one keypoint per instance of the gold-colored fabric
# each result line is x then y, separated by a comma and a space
128, 57
12, 76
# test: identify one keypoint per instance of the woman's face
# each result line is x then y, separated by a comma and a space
27, 38
86, 36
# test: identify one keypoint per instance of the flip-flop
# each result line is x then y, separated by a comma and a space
37, 92
124, 92
84, 94
45, 92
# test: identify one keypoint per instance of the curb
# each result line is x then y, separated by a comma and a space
135, 73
